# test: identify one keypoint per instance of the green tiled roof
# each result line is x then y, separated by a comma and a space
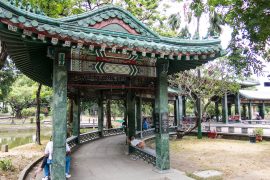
30, 28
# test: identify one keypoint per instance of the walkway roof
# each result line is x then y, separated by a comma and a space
255, 95
27, 34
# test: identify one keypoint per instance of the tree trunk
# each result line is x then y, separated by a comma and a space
38, 115
108, 115
198, 26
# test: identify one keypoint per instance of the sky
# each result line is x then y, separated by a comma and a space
225, 36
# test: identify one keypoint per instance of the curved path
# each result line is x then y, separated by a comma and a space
107, 159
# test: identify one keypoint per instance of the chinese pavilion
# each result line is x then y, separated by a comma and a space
106, 53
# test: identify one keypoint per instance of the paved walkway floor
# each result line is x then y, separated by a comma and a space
107, 159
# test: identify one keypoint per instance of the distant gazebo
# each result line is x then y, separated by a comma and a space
103, 54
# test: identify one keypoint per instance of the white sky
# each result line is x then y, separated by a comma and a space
225, 37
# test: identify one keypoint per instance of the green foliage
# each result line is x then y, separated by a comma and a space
29, 112
216, 78
250, 22
7, 77
6, 165
258, 131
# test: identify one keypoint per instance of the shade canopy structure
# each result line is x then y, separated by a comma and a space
254, 95
103, 54
33, 40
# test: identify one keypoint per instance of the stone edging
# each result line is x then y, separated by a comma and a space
29, 167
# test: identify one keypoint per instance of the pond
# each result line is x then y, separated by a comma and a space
18, 138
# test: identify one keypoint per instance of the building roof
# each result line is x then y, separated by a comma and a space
255, 95
27, 34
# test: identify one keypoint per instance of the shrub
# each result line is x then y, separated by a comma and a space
258, 131
6, 165
31, 120
29, 112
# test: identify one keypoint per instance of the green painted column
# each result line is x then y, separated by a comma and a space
184, 106
244, 111
100, 113
59, 121
261, 109
76, 118
249, 111
180, 110
131, 112
199, 108
225, 109
217, 111
162, 121
238, 104
229, 109
139, 113
175, 109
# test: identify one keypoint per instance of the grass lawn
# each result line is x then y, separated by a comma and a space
234, 158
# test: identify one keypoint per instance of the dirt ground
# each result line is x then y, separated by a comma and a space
237, 160
20, 157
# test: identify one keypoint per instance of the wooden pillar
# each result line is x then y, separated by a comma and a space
76, 118
249, 111
59, 121
238, 105
225, 109
100, 113
131, 113
162, 121
217, 111
139, 113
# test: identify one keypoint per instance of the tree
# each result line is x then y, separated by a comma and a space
21, 95
198, 7
250, 23
38, 115
216, 79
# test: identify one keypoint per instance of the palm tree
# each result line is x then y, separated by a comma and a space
216, 20
198, 8
174, 21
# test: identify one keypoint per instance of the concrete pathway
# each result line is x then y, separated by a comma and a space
107, 159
